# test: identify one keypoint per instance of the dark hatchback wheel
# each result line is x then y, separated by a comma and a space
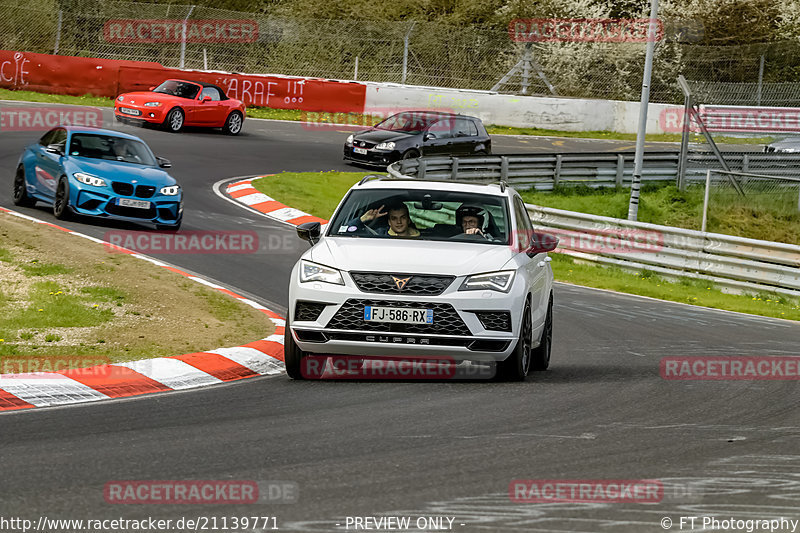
61, 208
21, 197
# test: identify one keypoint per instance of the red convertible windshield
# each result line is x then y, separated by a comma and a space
181, 89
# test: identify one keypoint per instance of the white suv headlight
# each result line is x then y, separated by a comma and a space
385, 146
313, 272
88, 179
493, 281
172, 190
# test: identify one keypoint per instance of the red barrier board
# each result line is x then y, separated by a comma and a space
107, 77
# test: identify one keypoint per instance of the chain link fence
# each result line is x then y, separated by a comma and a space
416, 53
734, 198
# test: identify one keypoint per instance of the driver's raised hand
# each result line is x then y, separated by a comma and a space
372, 214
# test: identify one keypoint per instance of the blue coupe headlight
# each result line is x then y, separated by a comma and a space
88, 179
172, 190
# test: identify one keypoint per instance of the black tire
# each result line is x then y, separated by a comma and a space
540, 356
516, 367
233, 124
410, 154
174, 121
292, 355
61, 209
21, 197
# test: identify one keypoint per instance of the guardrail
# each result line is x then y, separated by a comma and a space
545, 171
732, 263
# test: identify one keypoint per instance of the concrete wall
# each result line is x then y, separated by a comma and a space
566, 114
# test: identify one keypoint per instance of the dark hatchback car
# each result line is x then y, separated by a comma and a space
416, 133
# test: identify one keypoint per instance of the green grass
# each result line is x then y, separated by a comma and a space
51, 307
686, 290
6, 256
318, 193
38, 268
755, 217
30, 96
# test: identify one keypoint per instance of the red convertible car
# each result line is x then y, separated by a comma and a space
178, 103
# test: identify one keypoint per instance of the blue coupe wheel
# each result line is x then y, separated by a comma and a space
61, 203
21, 197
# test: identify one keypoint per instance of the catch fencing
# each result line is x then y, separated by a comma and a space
407, 52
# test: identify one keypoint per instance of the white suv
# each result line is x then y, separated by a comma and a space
411, 268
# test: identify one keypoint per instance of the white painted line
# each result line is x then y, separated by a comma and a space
150, 259
274, 338
207, 283
253, 304
239, 186
255, 198
287, 213
44, 389
281, 323
89, 237
173, 373
251, 358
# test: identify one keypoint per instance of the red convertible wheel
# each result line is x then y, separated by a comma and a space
233, 124
174, 120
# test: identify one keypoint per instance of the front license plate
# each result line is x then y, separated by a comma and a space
362, 151
398, 316
129, 111
138, 204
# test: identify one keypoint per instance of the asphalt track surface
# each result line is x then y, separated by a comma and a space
602, 412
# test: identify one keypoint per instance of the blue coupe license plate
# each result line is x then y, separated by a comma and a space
397, 315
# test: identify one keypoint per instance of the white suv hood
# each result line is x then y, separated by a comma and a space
409, 256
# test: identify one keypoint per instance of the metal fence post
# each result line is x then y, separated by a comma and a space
454, 168
745, 163
760, 79
504, 168
421, 169
705, 201
620, 169
183, 36
58, 32
405, 53
557, 170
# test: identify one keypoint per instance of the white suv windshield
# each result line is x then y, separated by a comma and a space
423, 215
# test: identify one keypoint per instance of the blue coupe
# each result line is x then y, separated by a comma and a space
99, 173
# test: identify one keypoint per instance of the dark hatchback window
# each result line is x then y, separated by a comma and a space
180, 89
110, 148
409, 122
432, 213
